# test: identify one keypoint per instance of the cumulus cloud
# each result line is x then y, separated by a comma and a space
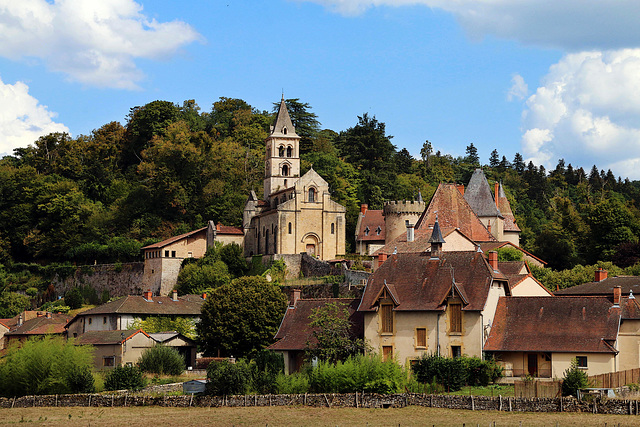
519, 89
587, 111
22, 118
567, 24
92, 42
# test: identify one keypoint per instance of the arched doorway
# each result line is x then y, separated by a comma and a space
311, 245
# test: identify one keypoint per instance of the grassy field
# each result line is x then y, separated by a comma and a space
297, 416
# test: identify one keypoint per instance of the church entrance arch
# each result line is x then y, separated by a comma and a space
310, 242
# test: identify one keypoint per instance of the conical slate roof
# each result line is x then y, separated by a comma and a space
505, 210
436, 236
478, 195
282, 126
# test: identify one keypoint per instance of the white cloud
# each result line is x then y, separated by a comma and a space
519, 89
587, 111
93, 42
568, 24
22, 119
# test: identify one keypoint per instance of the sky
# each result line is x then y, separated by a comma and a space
548, 79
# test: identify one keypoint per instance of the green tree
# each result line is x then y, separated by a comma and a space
195, 278
226, 378
12, 304
494, 159
304, 121
472, 155
124, 378
154, 324
241, 318
73, 298
574, 379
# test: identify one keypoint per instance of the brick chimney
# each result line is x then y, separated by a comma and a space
204, 295
410, 232
460, 188
174, 295
381, 258
496, 192
363, 208
295, 296
600, 275
617, 293
148, 295
493, 260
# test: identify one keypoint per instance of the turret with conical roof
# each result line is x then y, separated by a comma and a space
436, 240
282, 153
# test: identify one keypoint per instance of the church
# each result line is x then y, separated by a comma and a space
296, 214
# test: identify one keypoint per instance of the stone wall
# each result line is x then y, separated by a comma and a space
356, 277
119, 279
358, 400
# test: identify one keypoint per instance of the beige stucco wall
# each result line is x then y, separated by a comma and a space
455, 241
129, 352
529, 288
511, 236
495, 292
3, 330
629, 345
597, 363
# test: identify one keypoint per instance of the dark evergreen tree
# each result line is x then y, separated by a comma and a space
494, 159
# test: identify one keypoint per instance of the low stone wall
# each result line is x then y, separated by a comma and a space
357, 400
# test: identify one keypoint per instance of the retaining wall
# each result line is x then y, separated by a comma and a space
119, 279
358, 400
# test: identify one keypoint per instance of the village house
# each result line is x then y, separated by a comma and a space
30, 324
116, 348
370, 230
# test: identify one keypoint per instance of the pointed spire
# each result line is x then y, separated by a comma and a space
436, 235
420, 196
282, 124
478, 195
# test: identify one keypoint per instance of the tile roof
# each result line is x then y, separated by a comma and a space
422, 284
175, 239
294, 331
107, 337
163, 337
494, 246
630, 308
42, 325
478, 195
372, 219
228, 229
554, 324
453, 211
420, 241
505, 210
159, 306
605, 287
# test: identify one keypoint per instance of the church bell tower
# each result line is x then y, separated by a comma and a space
282, 160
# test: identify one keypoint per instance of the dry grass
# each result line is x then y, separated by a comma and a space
297, 416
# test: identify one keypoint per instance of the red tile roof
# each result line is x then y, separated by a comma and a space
507, 213
228, 229
107, 337
605, 287
453, 211
420, 241
175, 239
42, 325
294, 331
422, 284
372, 219
554, 324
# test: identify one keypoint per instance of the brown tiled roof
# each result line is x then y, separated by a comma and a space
453, 211
420, 242
507, 213
494, 246
554, 324
373, 219
513, 268
42, 325
422, 283
605, 287
174, 239
228, 229
107, 337
294, 331
630, 308
159, 306
478, 195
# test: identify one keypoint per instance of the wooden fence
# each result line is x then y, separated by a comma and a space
530, 389
616, 379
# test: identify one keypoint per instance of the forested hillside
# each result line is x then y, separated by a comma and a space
170, 168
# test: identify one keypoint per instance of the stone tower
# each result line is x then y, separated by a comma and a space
282, 160
397, 214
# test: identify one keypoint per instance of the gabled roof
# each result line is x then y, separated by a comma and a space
453, 211
283, 121
295, 332
175, 239
630, 308
420, 242
372, 219
228, 229
42, 325
478, 195
505, 210
605, 287
158, 306
554, 324
108, 337
421, 283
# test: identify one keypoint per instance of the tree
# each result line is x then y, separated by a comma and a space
241, 318
403, 160
12, 304
161, 360
472, 155
196, 278
518, 163
124, 378
333, 337
574, 379
304, 121
494, 159
154, 324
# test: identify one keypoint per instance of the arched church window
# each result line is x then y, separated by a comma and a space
289, 228
333, 229
284, 130
312, 195
285, 170
289, 151
281, 151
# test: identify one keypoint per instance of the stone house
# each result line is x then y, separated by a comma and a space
116, 348
296, 213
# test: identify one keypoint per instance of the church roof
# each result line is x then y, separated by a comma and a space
282, 125
478, 195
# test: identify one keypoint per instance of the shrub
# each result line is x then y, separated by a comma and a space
124, 377
296, 383
574, 379
45, 366
481, 372
73, 298
161, 360
12, 304
266, 367
225, 378
450, 372
81, 381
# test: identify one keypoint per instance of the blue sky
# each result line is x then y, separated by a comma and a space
544, 78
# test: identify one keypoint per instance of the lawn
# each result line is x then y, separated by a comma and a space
297, 416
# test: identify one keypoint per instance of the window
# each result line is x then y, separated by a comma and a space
333, 228
366, 231
289, 151
90, 320
166, 254
582, 362
104, 320
378, 230
285, 170
386, 318
387, 353
173, 254
421, 337
456, 351
108, 361
312, 195
455, 313
284, 131
285, 184
281, 151
289, 228
189, 254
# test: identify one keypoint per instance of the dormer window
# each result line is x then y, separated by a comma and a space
378, 230
366, 231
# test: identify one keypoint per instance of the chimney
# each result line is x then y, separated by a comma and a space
410, 229
20, 320
381, 258
600, 275
489, 227
496, 192
49, 315
363, 208
174, 295
617, 293
204, 295
295, 296
460, 188
148, 295
493, 260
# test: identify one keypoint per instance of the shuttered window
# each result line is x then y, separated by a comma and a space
386, 318
455, 312
387, 353
421, 337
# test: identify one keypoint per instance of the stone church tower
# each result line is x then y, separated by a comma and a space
297, 213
